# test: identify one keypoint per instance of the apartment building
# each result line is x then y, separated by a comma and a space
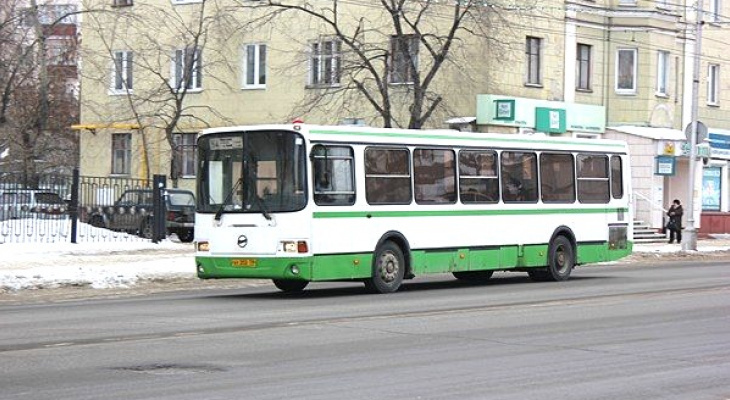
157, 71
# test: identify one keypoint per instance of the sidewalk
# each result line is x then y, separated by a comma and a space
124, 264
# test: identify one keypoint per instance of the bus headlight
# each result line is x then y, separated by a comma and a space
295, 270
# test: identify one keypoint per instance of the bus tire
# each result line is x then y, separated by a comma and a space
388, 269
289, 286
473, 276
561, 260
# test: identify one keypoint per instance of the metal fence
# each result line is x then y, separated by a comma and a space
74, 208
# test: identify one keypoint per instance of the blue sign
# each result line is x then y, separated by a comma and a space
665, 165
719, 145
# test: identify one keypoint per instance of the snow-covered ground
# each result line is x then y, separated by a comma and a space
99, 262
100, 259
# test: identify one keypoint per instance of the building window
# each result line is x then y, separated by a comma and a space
254, 66
662, 73
121, 153
532, 52
187, 69
325, 63
184, 154
626, 71
122, 79
403, 58
583, 61
713, 84
714, 10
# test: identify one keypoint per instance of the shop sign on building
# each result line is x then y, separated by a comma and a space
719, 145
666, 165
540, 115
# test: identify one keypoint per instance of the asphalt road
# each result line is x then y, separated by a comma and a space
611, 332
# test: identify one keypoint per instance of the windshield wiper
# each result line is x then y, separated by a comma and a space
262, 207
219, 213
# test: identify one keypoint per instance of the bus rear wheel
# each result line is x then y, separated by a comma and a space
561, 260
473, 276
388, 269
288, 286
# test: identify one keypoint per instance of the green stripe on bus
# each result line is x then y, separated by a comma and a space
463, 213
509, 139
354, 266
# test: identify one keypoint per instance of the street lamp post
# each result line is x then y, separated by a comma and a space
689, 238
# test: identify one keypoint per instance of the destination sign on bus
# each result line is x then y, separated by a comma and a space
226, 143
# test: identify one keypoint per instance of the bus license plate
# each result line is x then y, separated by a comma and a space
243, 263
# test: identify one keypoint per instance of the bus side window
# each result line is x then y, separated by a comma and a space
557, 178
387, 176
434, 176
617, 181
478, 178
334, 175
519, 177
593, 182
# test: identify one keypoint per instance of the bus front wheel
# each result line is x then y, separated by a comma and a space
388, 269
288, 286
561, 260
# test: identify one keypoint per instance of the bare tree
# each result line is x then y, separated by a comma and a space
390, 53
38, 102
167, 62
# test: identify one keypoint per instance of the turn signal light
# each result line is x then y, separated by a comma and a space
302, 247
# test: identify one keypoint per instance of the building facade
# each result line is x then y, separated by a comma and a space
155, 72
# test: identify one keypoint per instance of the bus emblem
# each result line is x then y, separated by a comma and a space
242, 241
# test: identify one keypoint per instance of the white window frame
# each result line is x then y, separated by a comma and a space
325, 63
662, 73
531, 57
259, 66
634, 71
713, 84
714, 10
180, 56
120, 80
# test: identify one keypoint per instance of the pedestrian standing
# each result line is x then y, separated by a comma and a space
674, 226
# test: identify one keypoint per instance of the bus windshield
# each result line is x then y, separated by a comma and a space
251, 172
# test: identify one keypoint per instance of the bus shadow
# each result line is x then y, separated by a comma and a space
320, 290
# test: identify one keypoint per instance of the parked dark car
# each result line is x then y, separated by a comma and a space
133, 213
31, 203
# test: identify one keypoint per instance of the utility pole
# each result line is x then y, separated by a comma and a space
689, 238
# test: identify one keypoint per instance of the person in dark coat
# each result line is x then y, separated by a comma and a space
675, 221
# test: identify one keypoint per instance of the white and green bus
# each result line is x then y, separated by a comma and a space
301, 203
